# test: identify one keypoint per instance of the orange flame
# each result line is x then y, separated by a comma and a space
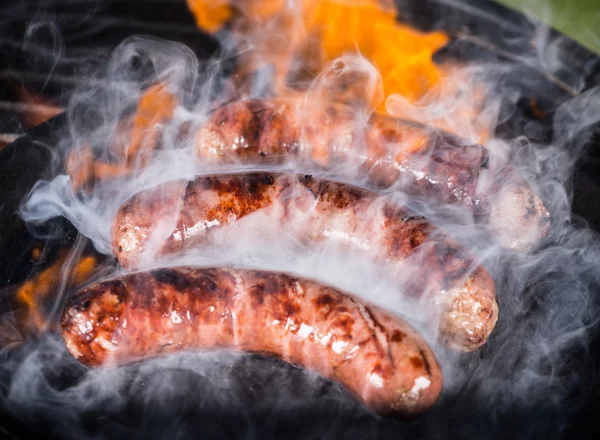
402, 54
39, 109
325, 30
318, 31
210, 16
156, 106
32, 292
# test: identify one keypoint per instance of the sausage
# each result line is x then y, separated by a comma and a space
377, 356
421, 160
460, 294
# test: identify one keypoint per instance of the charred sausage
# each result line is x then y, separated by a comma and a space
377, 356
181, 215
421, 160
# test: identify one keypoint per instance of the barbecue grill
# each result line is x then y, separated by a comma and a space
48, 63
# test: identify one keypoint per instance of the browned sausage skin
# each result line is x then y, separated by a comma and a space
421, 160
377, 356
460, 295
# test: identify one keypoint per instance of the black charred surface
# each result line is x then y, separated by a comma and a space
257, 124
82, 301
179, 280
267, 285
425, 361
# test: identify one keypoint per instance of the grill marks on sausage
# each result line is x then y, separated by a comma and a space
437, 254
95, 314
256, 129
397, 336
257, 124
417, 238
341, 197
238, 195
345, 323
251, 185
180, 281
425, 361
232, 197
323, 301
384, 331
269, 285
405, 232
260, 128
187, 308
417, 362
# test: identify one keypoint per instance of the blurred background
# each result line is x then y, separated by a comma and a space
579, 19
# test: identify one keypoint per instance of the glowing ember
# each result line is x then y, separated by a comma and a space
39, 108
156, 106
33, 291
210, 16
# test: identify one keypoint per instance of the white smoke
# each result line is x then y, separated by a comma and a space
545, 296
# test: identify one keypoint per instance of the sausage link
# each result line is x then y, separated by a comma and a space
423, 161
181, 215
377, 356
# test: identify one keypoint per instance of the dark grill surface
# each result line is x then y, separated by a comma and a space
47, 63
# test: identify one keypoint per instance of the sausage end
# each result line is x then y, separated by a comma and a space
470, 312
91, 322
519, 218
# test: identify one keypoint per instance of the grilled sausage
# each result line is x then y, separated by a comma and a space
423, 161
311, 211
377, 356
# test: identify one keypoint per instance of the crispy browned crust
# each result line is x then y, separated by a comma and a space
255, 130
424, 161
377, 356
428, 261
259, 130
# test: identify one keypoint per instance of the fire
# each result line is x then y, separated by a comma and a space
34, 291
39, 108
156, 106
318, 31
402, 54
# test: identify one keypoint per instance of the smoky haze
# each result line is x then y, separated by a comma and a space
521, 384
